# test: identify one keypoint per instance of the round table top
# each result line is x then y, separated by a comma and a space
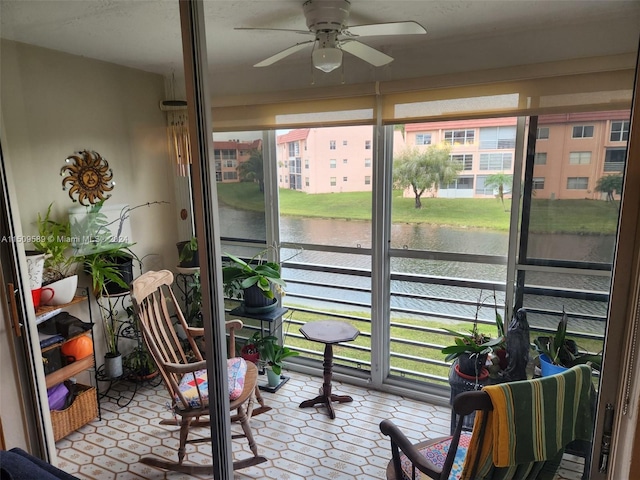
329, 331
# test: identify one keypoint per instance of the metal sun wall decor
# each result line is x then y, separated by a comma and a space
88, 176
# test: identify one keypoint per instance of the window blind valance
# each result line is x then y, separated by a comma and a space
602, 83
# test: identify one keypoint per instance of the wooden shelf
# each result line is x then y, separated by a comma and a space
50, 308
69, 371
62, 342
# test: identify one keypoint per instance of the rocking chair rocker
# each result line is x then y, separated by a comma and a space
150, 294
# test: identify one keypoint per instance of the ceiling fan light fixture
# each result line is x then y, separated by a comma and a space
327, 59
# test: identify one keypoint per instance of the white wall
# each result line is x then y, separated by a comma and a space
54, 104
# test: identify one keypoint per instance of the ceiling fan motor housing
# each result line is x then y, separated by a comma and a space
326, 15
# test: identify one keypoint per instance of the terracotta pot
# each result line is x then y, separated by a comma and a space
250, 353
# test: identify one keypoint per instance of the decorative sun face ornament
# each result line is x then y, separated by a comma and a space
89, 176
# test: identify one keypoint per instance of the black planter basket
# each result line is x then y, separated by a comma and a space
124, 267
256, 302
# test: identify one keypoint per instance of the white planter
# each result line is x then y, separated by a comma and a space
60, 292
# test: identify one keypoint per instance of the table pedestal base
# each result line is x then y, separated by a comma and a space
326, 397
326, 401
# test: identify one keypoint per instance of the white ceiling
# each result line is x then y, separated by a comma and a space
462, 35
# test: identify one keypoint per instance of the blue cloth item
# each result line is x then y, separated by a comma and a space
16, 464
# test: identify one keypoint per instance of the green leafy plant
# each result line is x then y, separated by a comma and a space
241, 275
274, 354
193, 315
563, 351
188, 250
54, 240
476, 342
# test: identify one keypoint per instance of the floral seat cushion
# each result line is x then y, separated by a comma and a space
436, 453
195, 386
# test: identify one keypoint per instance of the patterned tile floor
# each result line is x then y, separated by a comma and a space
300, 444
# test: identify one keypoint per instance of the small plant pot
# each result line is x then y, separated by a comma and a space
250, 353
548, 368
273, 379
113, 365
124, 267
193, 262
471, 365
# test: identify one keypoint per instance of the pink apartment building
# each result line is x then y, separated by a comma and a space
572, 152
325, 160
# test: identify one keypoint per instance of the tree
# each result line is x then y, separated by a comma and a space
251, 170
499, 181
609, 184
424, 169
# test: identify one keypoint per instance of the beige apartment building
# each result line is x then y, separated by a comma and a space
229, 154
572, 152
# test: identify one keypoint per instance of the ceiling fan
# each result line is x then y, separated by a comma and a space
327, 22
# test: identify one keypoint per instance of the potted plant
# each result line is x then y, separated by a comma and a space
274, 354
254, 349
255, 281
59, 275
472, 349
188, 253
558, 352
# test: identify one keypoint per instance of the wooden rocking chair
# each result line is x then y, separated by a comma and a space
150, 294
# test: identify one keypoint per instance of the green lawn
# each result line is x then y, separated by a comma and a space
548, 216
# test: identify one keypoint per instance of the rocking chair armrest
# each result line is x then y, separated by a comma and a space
182, 368
195, 331
387, 427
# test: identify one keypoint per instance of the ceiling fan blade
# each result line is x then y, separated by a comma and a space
283, 54
366, 53
304, 32
392, 28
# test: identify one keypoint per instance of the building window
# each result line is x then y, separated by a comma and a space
230, 175
332, 144
306, 181
344, 143
332, 163
332, 181
579, 158
367, 144
495, 161
614, 159
306, 163
466, 160
224, 154
537, 183
294, 149
423, 139
582, 131
577, 183
619, 131
230, 163
492, 138
460, 183
367, 162
344, 179
540, 158
367, 180
542, 133
480, 188
459, 137
345, 161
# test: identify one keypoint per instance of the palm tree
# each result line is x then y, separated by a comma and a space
251, 170
499, 181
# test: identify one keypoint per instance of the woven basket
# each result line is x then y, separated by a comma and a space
83, 409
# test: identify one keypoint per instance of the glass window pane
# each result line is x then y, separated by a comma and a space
240, 184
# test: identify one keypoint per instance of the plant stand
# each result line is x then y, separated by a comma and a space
266, 319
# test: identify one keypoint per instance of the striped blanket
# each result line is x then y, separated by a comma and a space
530, 424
